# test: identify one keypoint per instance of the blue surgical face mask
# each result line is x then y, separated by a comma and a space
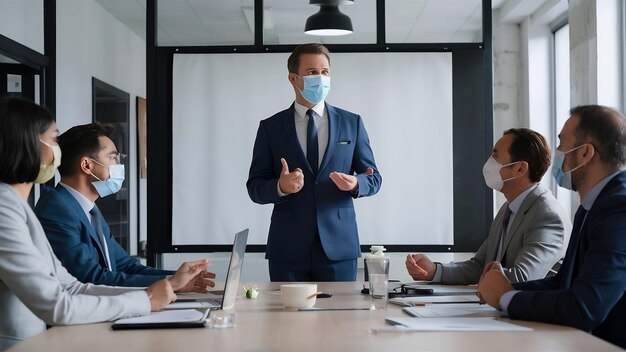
316, 88
563, 179
113, 184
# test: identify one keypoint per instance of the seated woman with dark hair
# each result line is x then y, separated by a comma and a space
35, 289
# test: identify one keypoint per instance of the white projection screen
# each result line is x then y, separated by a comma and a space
405, 100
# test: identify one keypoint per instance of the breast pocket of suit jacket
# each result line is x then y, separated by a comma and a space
344, 150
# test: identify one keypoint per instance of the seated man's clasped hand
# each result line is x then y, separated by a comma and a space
493, 284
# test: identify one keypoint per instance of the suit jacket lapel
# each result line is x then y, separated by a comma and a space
520, 215
333, 131
492, 249
573, 254
577, 245
81, 215
289, 123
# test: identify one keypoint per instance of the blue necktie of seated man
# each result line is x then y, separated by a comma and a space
312, 149
97, 225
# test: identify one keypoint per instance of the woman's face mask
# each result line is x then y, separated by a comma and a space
46, 172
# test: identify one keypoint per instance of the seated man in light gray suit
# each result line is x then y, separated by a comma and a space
528, 234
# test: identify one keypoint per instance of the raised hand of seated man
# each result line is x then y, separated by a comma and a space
192, 277
420, 267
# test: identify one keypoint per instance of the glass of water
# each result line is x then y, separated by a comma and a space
378, 275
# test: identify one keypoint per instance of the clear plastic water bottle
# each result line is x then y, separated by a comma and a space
375, 252
377, 273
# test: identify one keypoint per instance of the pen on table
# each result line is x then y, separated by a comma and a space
320, 309
397, 328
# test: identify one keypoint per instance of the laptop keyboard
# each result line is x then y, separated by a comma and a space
214, 301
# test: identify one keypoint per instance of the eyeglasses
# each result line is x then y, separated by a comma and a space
408, 290
405, 290
117, 158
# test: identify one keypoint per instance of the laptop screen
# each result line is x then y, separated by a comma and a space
234, 269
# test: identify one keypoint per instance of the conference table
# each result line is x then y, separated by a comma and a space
262, 324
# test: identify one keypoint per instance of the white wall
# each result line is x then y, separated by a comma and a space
92, 43
22, 21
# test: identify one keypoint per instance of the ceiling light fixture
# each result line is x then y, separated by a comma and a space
328, 21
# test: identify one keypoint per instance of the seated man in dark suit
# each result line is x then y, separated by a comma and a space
588, 291
80, 237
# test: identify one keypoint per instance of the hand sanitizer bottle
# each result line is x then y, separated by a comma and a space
376, 253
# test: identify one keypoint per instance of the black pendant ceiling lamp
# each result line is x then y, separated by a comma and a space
328, 21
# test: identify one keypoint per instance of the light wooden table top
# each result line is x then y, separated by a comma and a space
264, 325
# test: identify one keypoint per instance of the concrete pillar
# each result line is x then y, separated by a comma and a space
506, 76
595, 52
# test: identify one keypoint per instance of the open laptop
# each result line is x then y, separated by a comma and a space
231, 285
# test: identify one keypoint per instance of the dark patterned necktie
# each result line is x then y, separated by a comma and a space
312, 150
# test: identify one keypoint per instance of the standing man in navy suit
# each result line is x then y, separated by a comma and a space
311, 160
588, 292
80, 237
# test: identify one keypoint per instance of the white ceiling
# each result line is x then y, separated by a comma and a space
231, 22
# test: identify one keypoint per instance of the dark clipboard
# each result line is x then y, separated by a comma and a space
200, 323
173, 325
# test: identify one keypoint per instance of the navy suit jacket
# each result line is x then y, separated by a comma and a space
76, 244
588, 291
319, 204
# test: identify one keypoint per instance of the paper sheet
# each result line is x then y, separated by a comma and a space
453, 310
417, 301
189, 305
451, 324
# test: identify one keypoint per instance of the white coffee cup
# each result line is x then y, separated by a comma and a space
298, 295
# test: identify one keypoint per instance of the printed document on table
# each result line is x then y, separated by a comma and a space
188, 305
452, 324
453, 310
418, 301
